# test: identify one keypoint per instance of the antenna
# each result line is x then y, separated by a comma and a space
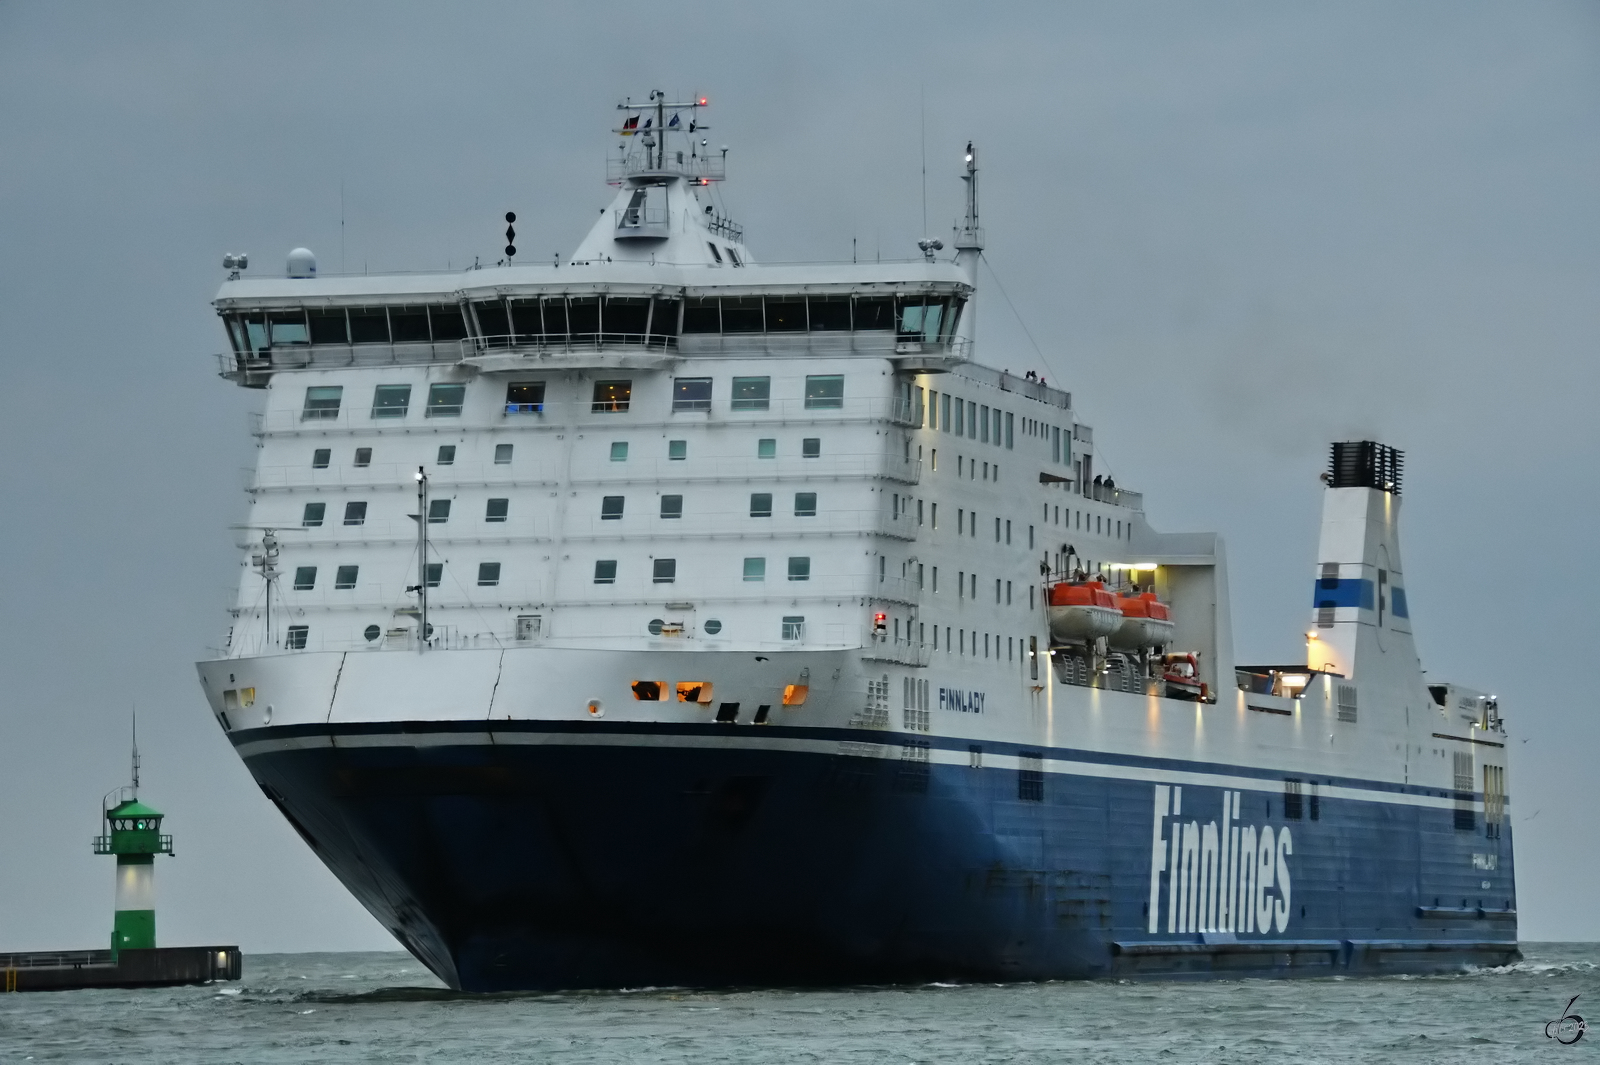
969, 241
135, 752
924, 106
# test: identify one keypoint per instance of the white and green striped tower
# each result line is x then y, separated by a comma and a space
133, 834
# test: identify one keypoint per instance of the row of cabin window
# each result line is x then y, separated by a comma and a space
355, 512
822, 392
805, 506
618, 319
976, 421
323, 456
665, 570
966, 583
344, 577
1079, 520
677, 450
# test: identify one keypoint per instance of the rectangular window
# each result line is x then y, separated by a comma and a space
829, 314
296, 638
751, 393
805, 504
447, 323
526, 397
691, 393
502, 454
369, 325
786, 315
434, 574
933, 409
497, 510
761, 504
766, 448
488, 574
677, 450
755, 569
874, 314
444, 401
794, 628
321, 457
288, 329
438, 511
611, 396
972, 420
447, 454
1010, 430
619, 451
322, 401
1055, 443
811, 447
664, 571
742, 314
1293, 800
345, 577
363, 456
355, 513
701, 316
799, 568
983, 424
945, 411
1030, 777
605, 571
997, 530
312, 516
672, 506
305, 578
960, 406
328, 327
611, 508
824, 391
391, 401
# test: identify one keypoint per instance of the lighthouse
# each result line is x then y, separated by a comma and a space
133, 834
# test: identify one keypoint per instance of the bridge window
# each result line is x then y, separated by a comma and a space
873, 314
742, 314
583, 318
493, 319
702, 316
626, 318
829, 314
447, 323
328, 327
369, 325
409, 324
786, 315
289, 329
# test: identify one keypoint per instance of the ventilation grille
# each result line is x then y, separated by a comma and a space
1347, 702
1365, 464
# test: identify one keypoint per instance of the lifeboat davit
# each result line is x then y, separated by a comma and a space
1082, 610
1146, 622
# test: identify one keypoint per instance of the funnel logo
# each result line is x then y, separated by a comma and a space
1220, 876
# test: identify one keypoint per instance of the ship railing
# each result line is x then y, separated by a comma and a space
1117, 497
62, 959
536, 344
642, 164
881, 344
898, 652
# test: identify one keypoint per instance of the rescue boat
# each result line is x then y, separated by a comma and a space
1146, 622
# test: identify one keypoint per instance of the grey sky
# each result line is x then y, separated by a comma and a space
1236, 231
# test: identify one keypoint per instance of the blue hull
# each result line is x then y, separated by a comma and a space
663, 857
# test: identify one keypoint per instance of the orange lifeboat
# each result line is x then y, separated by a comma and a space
1082, 610
1146, 622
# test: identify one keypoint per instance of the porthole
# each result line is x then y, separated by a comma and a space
655, 626
713, 626
371, 633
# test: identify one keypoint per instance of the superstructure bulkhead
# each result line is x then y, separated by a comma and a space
661, 617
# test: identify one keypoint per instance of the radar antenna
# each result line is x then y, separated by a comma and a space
265, 562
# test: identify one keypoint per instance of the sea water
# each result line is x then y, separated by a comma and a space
388, 1008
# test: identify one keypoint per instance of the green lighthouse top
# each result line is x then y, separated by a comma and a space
134, 828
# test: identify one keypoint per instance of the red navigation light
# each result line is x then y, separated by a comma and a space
702, 101
880, 622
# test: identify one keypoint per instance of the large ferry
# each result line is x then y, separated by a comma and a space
662, 617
